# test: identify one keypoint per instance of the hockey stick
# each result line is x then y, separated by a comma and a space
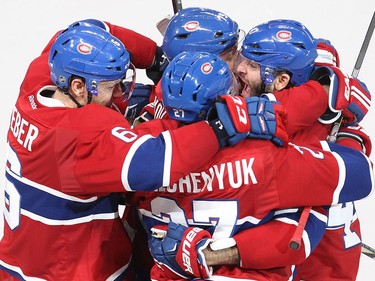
368, 251
177, 5
362, 52
295, 242
365, 249
355, 72
162, 24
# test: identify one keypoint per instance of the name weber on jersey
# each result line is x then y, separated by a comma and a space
236, 174
24, 132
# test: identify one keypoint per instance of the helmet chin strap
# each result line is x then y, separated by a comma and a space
73, 99
89, 98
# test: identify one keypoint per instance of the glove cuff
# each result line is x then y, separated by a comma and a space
220, 132
203, 244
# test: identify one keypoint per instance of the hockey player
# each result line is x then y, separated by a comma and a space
269, 64
269, 61
144, 54
338, 253
70, 155
202, 29
191, 29
235, 191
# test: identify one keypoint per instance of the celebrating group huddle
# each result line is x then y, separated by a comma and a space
242, 160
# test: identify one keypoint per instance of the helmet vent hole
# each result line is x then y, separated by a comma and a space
54, 54
65, 42
182, 36
300, 45
219, 34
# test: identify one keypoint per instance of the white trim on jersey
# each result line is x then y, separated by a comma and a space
20, 272
342, 174
129, 157
50, 190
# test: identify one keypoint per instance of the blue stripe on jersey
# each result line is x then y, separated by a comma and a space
39, 200
358, 181
314, 229
148, 162
15, 273
248, 222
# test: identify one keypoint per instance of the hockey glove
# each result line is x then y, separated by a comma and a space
160, 63
347, 95
179, 250
268, 120
229, 119
327, 54
252, 117
358, 134
139, 99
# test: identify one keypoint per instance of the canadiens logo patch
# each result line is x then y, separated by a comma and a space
284, 35
191, 25
84, 48
206, 68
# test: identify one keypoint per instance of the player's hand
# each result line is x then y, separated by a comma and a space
347, 95
356, 133
327, 54
268, 120
139, 99
155, 72
252, 117
179, 250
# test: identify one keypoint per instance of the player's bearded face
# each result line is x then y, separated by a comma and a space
249, 72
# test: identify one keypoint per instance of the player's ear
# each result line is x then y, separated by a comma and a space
281, 81
77, 87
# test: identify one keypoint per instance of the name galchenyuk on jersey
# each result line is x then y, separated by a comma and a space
229, 174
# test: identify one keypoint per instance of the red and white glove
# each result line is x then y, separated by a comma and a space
178, 251
190, 255
327, 54
347, 134
252, 117
347, 95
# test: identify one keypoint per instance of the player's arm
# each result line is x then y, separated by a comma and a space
267, 245
337, 173
142, 48
304, 104
118, 156
262, 247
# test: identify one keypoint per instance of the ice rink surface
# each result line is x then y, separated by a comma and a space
26, 27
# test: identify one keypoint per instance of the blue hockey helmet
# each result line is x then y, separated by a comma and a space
192, 81
199, 29
281, 45
88, 51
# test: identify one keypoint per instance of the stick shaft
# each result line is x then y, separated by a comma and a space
362, 52
295, 242
177, 5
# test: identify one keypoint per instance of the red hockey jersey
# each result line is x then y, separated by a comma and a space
243, 186
65, 170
